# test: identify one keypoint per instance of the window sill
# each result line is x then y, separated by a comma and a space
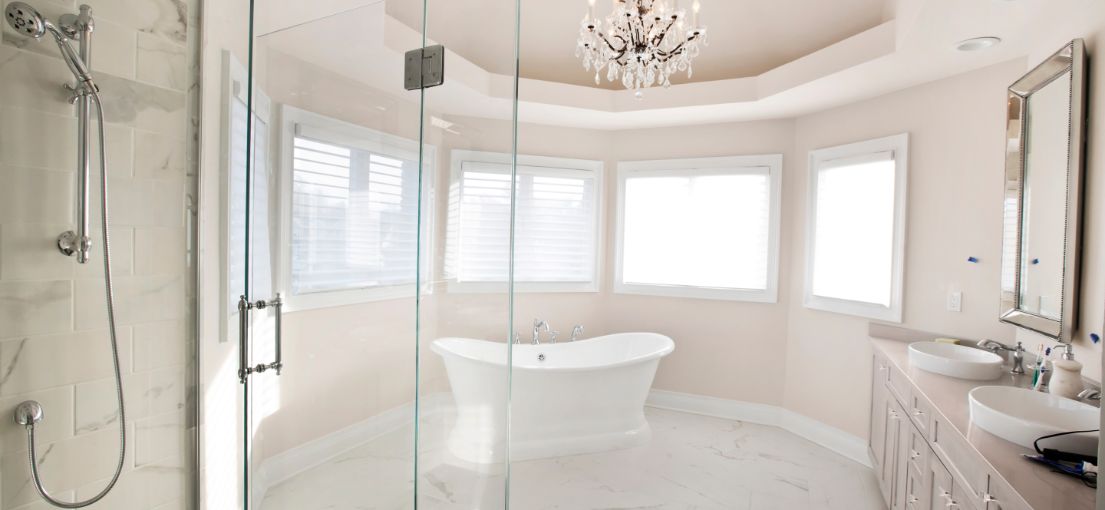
682, 291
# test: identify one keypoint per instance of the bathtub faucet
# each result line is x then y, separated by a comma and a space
576, 332
537, 325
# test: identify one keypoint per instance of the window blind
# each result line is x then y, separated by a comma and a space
853, 251
354, 217
698, 228
555, 224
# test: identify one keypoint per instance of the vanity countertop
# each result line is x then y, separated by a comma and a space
1040, 487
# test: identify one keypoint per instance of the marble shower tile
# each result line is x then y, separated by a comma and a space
122, 253
160, 250
114, 48
35, 363
33, 307
71, 462
29, 251
138, 299
167, 18
160, 345
40, 88
96, 407
143, 106
57, 405
162, 62
159, 156
158, 438
145, 488
32, 195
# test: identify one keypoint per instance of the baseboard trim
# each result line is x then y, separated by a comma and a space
848, 445
289, 463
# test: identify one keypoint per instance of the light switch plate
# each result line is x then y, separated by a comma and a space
955, 301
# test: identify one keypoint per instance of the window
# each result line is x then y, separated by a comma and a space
352, 225
856, 230
556, 223
702, 228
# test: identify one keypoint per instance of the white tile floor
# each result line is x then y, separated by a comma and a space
692, 462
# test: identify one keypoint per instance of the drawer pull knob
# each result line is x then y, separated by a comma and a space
913, 454
918, 412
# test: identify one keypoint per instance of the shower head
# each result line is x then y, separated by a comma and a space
27, 21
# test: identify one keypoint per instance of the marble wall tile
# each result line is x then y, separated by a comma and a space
38, 140
115, 47
162, 62
160, 345
40, 87
33, 307
31, 364
159, 156
72, 462
160, 250
57, 425
34, 195
143, 106
150, 486
96, 407
147, 202
122, 254
144, 63
166, 18
167, 391
158, 438
29, 251
137, 300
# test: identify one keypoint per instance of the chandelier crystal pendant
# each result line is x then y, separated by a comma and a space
641, 41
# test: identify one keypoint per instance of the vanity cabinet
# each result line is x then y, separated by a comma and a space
921, 461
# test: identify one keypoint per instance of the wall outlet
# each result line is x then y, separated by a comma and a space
955, 301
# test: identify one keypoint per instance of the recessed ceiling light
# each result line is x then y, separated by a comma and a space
976, 43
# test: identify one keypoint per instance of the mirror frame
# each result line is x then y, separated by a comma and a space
1072, 58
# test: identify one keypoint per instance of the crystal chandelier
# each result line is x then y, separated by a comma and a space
642, 41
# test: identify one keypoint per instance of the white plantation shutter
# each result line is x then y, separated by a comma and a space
354, 217
853, 253
855, 242
698, 230
555, 224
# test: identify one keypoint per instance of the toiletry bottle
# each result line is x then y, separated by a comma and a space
1066, 378
1044, 372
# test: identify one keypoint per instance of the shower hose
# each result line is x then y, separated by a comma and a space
91, 92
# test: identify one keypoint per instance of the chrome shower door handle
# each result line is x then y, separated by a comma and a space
244, 370
243, 339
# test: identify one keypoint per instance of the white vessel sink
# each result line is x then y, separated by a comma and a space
955, 360
1020, 416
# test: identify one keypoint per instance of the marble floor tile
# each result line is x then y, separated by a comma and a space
692, 462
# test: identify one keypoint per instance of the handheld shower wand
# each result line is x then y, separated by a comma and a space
26, 20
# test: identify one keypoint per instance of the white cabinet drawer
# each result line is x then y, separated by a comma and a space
1000, 496
959, 458
899, 386
920, 412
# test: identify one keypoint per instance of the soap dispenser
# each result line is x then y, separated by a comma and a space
1066, 375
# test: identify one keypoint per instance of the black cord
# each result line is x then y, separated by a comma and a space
1087, 478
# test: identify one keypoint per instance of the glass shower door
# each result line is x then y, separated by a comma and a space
330, 199
371, 239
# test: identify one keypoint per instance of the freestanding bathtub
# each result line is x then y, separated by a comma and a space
567, 398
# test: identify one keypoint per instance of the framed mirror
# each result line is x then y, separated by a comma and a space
1043, 194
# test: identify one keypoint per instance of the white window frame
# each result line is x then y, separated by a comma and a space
729, 165
595, 167
292, 122
898, 146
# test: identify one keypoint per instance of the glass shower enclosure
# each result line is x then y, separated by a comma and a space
341, 287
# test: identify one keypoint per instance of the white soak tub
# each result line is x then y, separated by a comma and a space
568, 398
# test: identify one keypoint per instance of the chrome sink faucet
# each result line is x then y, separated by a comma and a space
537, 325
576, 333
1015, 353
